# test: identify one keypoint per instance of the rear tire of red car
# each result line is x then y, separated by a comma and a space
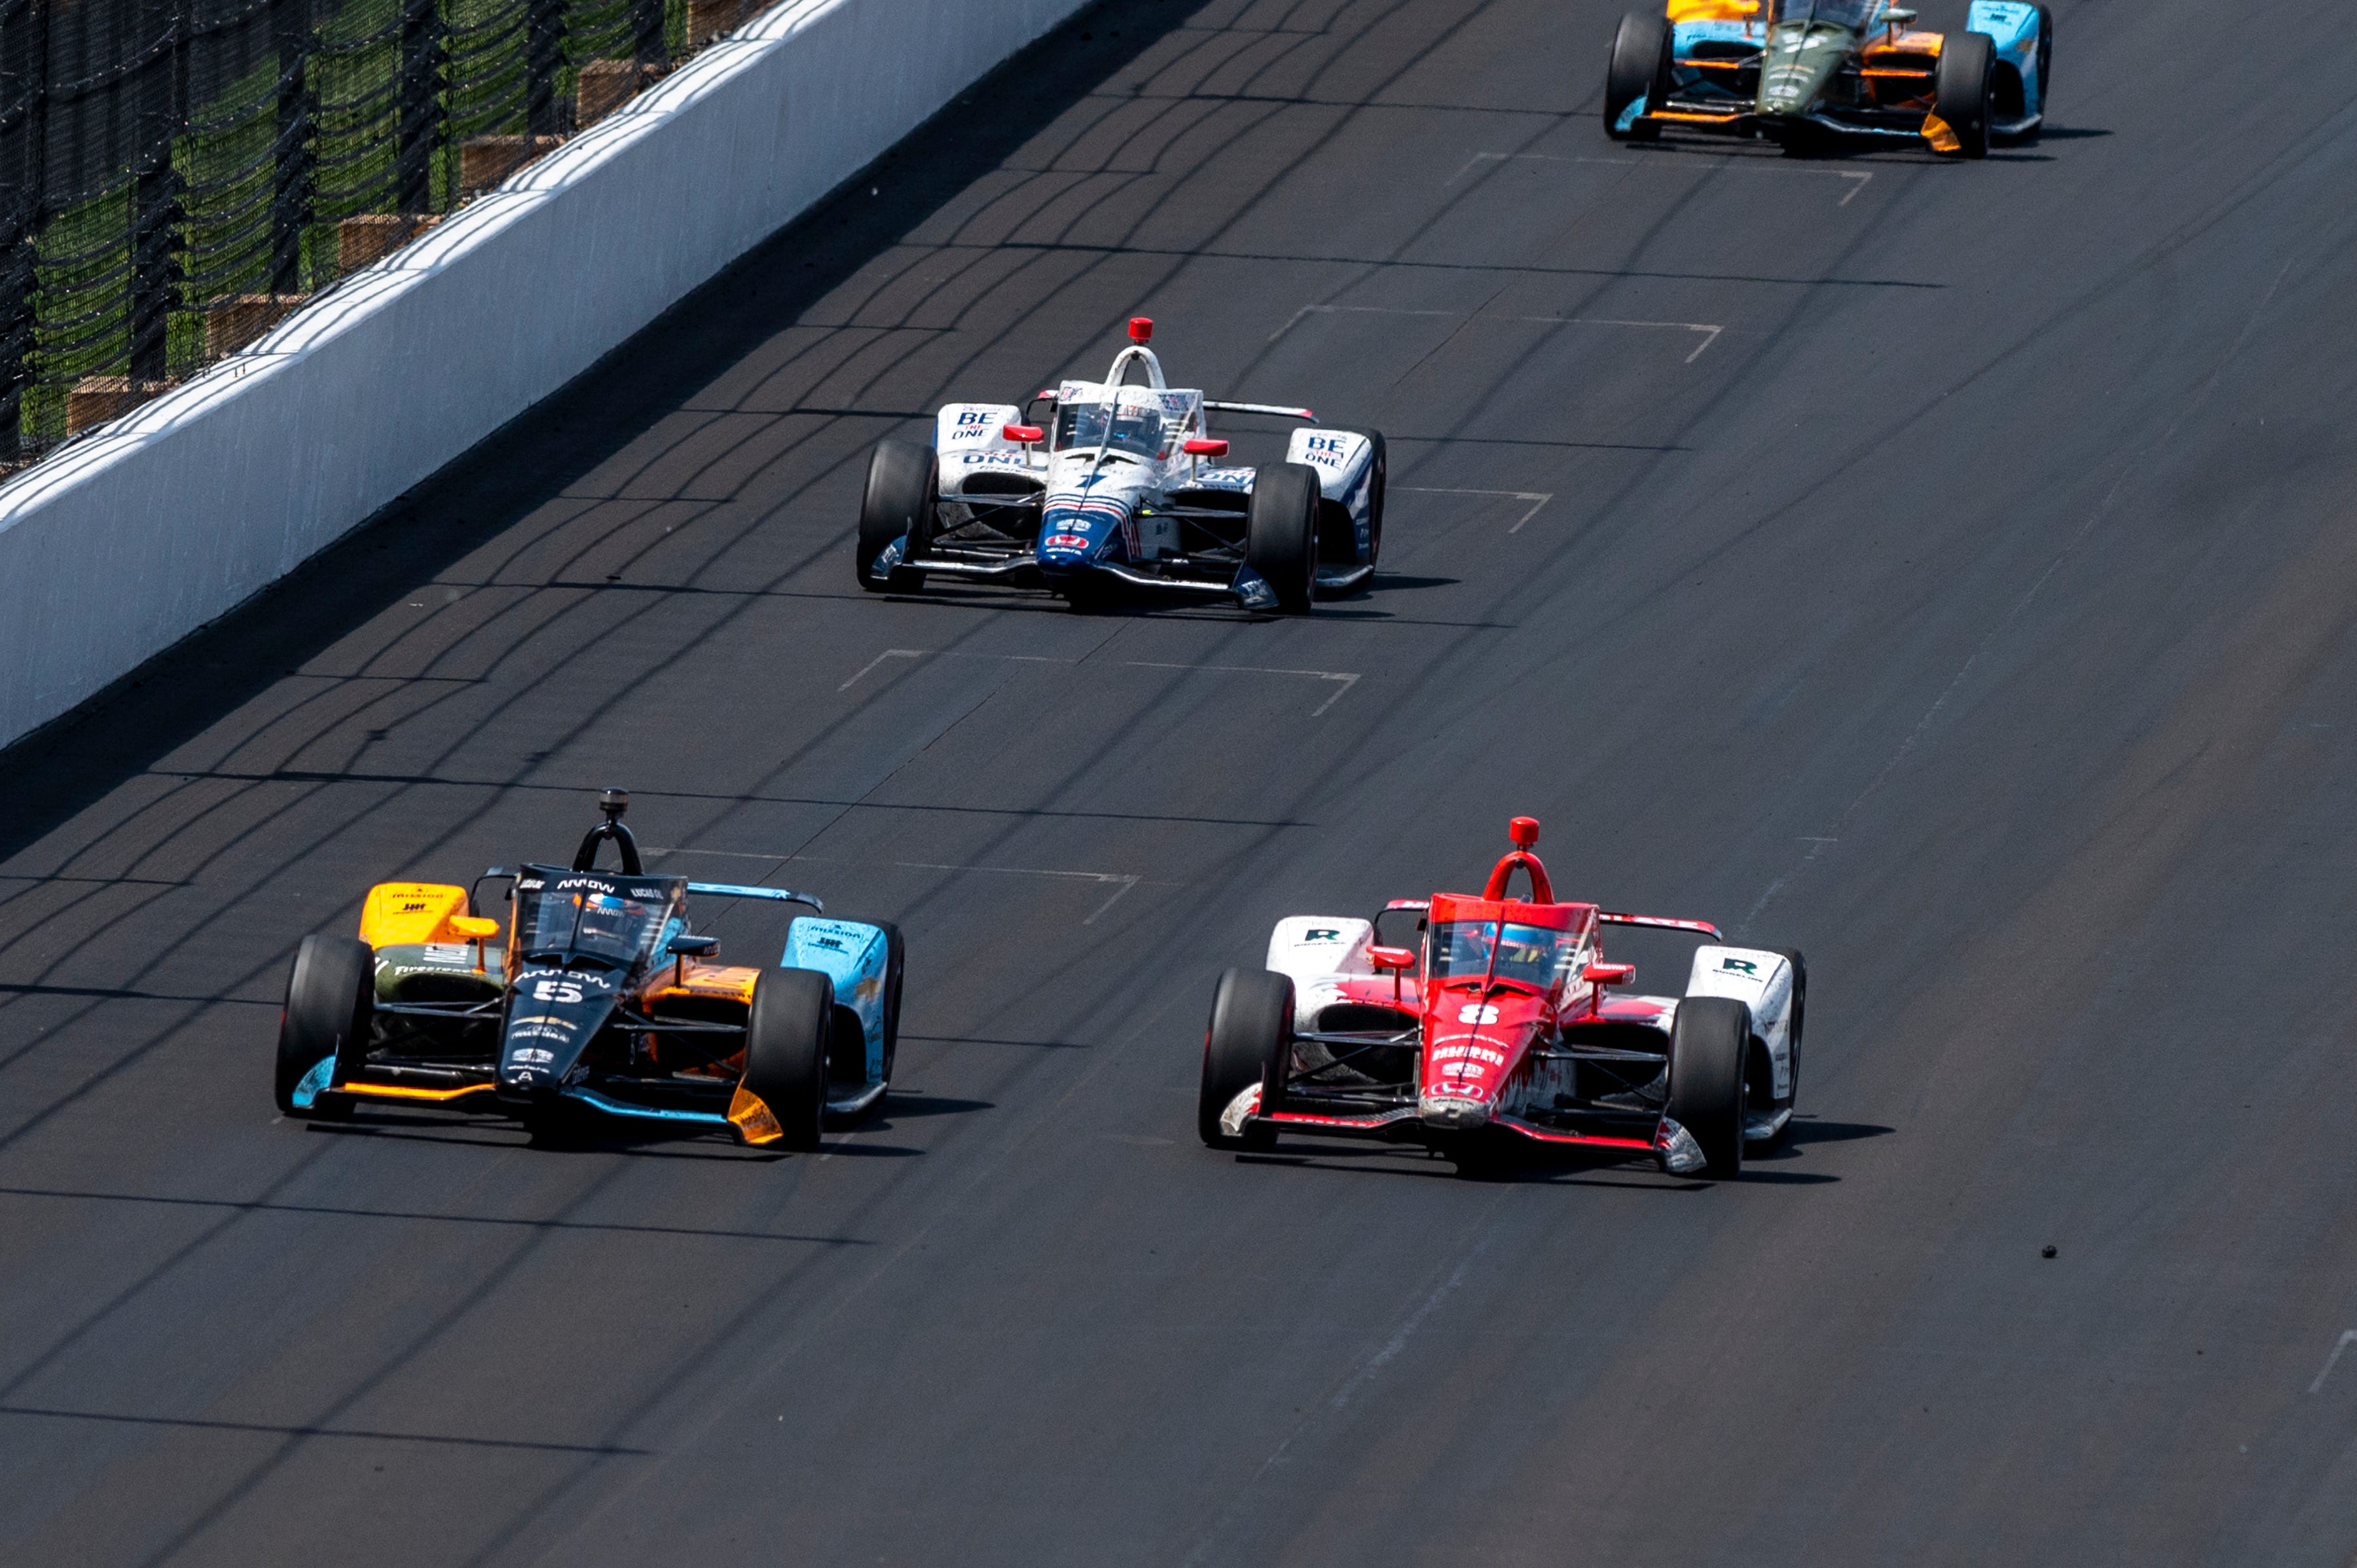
1281, 533
901, 502
786, 1036
1640, 69
1251, 1020
331, 1005
1706, 1048
1964, 89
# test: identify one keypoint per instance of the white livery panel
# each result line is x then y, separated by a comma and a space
1760, 980
972, 427
1343, 460
1311, 948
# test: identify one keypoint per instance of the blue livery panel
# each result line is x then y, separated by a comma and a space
853, 956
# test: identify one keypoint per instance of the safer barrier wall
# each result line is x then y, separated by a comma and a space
123, 544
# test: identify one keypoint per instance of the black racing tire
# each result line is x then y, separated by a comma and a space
1251, 1019
330, 1007
1963, 88
1281, 533
1640, 69
901, 501
786, 1036
1707, 1049
1376, 489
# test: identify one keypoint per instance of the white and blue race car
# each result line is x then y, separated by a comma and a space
1100, 486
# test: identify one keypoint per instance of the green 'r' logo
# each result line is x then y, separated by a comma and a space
1740, 965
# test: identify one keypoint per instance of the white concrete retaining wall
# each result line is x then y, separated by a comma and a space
126, 543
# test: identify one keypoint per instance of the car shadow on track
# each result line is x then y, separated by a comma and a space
1401, 1162
650, 1144
1807, 1130
1565, 1171
908, 1107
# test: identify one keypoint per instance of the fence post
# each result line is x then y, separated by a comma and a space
646, 32
290, 197
420, 128
24, 166
544, 57
155, 196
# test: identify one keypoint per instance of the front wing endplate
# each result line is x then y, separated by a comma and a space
752, 1119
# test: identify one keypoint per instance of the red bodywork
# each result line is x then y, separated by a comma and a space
1492, 1048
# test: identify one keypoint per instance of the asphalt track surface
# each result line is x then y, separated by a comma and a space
1945, 569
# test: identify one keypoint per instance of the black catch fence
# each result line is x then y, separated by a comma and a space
176, 175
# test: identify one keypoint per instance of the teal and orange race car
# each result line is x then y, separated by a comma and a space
602, 1002
1812, 73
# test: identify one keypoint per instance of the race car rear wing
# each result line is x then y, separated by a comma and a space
1660, 923
1654, 922
738, 890
1262, 408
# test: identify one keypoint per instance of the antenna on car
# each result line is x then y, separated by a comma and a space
613, 803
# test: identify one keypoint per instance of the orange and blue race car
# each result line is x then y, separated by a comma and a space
1809, 73
602, 1002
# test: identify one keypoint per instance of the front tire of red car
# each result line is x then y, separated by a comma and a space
1251, 1020
1707, 1049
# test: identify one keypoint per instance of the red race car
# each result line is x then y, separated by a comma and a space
1499, 1032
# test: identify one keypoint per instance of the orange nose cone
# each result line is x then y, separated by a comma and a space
1141, 328
1524, 831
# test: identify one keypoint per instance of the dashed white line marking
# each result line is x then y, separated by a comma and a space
1479, 158
949, 653
1856, 177
887, 653
1710, 330
1537, 498
2346, 1340
1343, 679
